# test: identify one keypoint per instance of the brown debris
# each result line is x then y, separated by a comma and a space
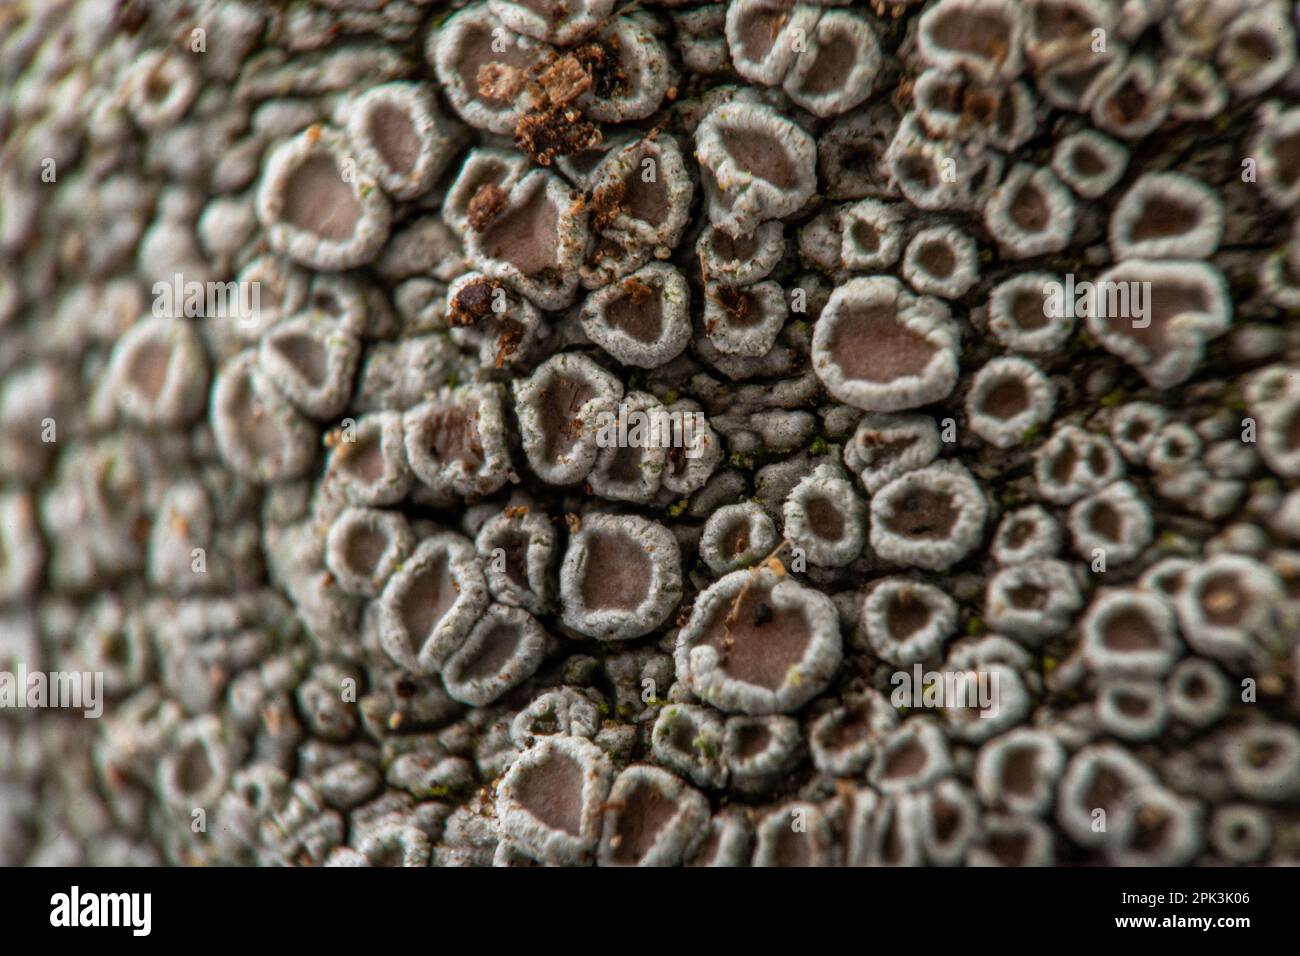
677, 457
573, 429
555, 125
602, 63
771, 563
607, 204
684, 615
564, 80
606, 248
902, 97
574, 522
636, 290
486, 205
500, 82
508, 341
472, 302
555, 132
734, 302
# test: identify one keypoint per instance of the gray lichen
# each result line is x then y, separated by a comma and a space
331, 338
